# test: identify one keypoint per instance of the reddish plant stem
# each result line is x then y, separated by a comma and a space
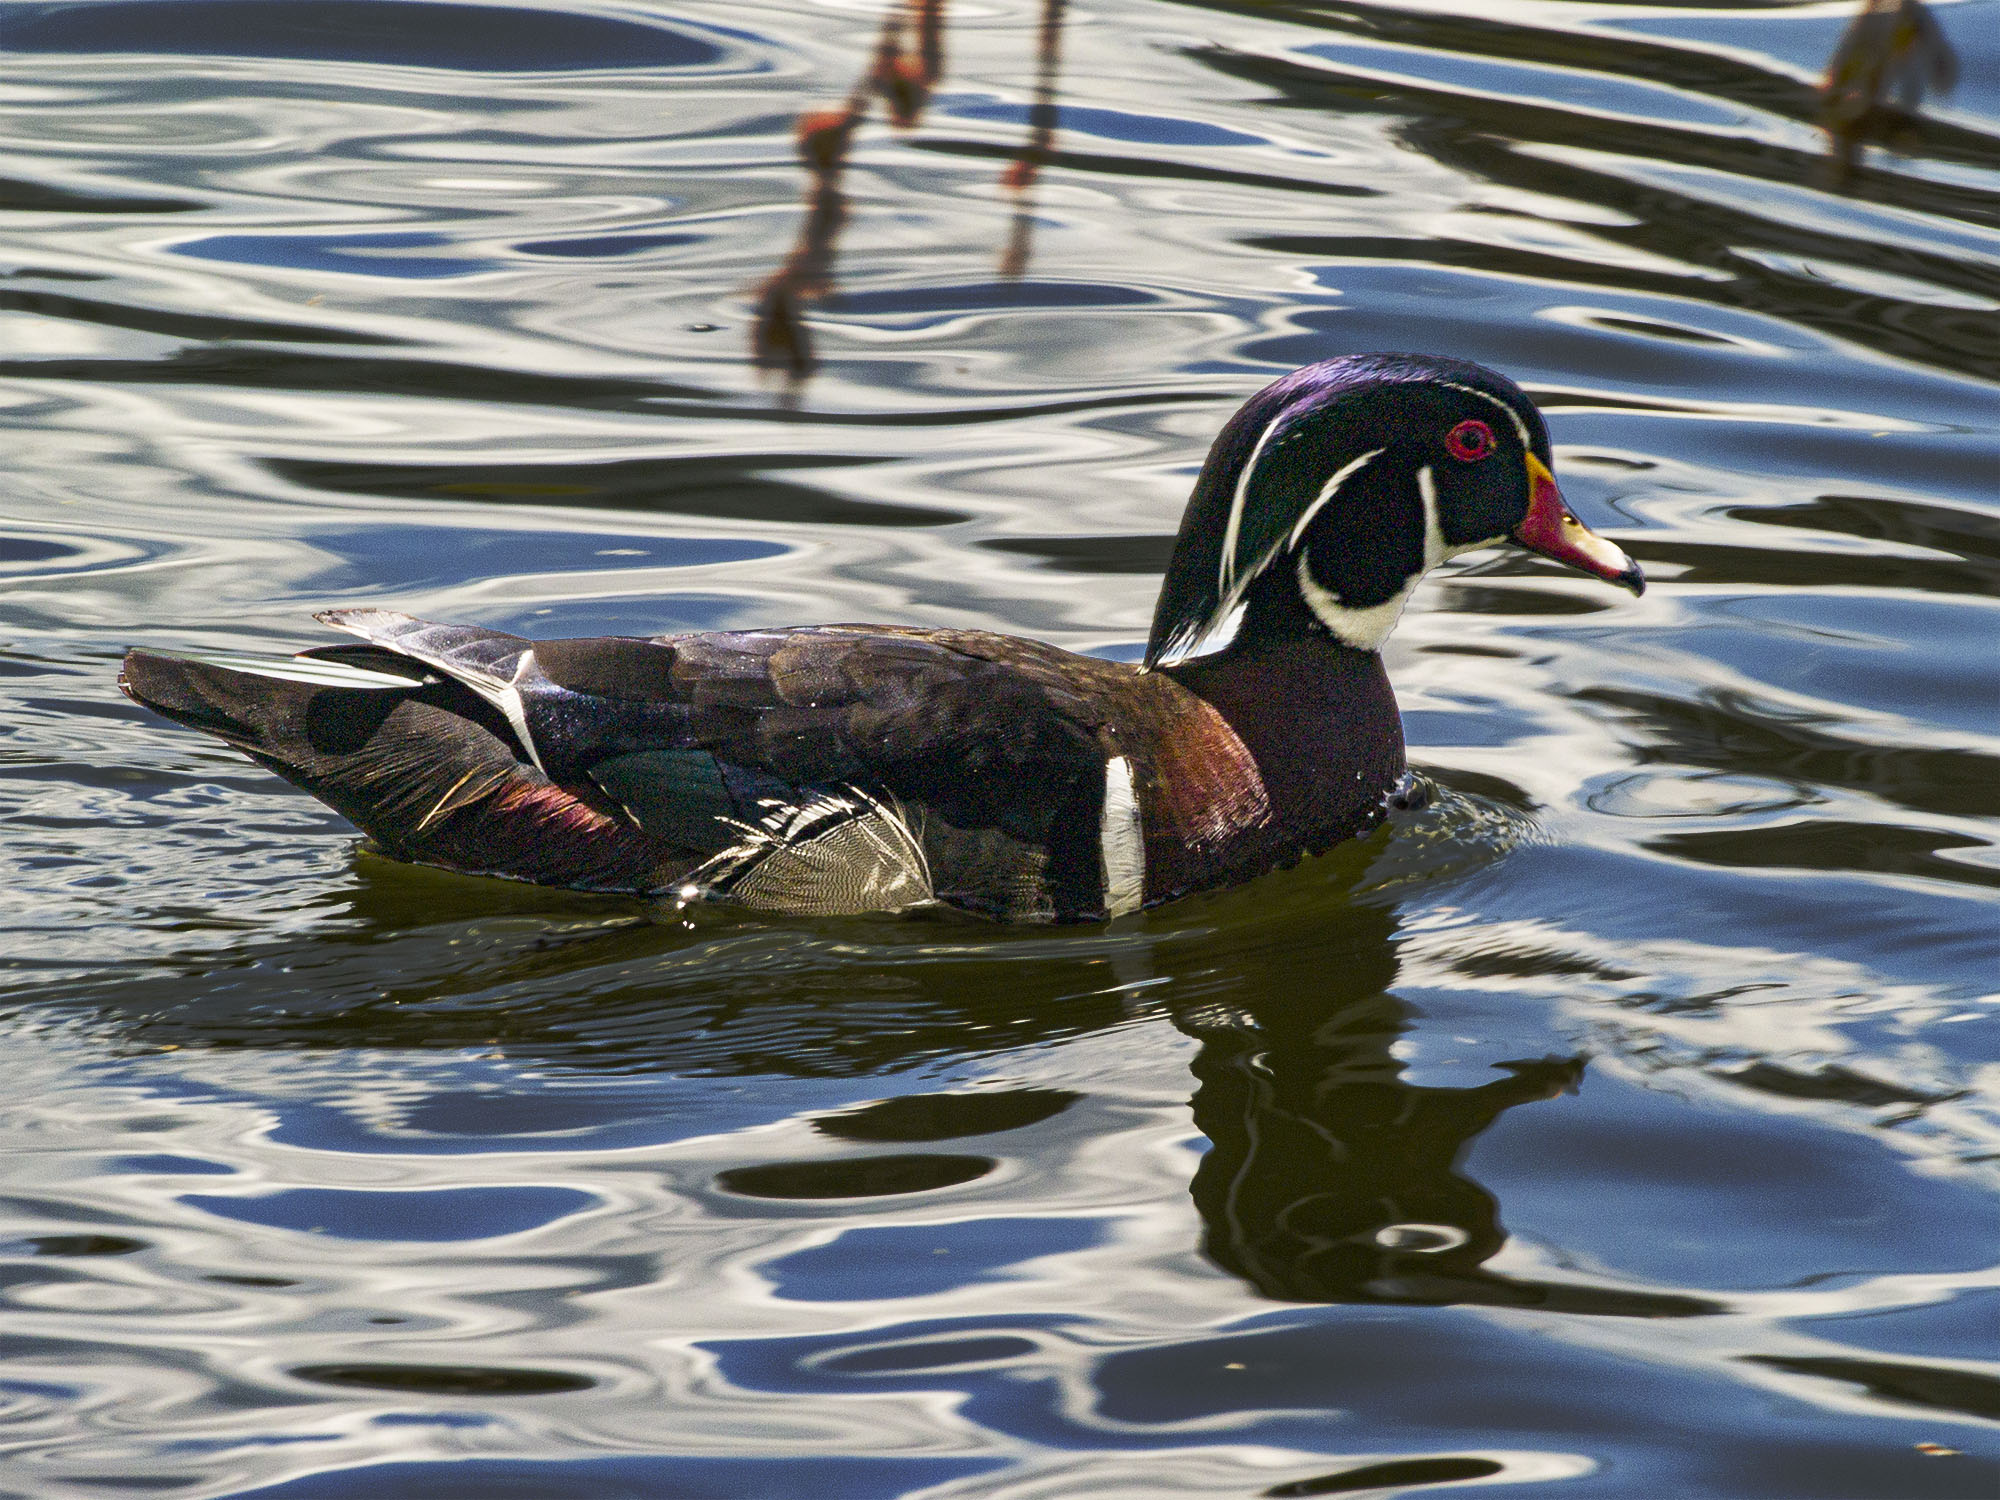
909, 52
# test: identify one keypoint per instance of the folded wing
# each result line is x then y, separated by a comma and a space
826, 770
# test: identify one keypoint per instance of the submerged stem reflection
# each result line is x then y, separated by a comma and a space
1042, 118
1890, 56
904, 68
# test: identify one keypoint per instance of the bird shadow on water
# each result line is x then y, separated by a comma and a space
1331, 1177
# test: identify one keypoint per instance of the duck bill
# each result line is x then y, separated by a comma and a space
1552, 530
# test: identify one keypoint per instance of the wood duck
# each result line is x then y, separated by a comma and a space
839, 769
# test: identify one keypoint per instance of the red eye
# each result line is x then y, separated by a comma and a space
1469, 442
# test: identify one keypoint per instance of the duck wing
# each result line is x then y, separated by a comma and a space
423, 767
830, 769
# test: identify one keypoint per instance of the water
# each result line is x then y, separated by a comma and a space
1624, 1124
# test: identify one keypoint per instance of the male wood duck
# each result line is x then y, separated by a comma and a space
838, 769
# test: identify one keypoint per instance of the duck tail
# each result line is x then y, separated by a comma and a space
422, 765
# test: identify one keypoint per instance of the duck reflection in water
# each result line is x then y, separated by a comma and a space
1333, 1179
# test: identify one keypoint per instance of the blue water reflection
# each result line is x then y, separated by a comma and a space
921, 1261
401, 33
383, 254
444, 1214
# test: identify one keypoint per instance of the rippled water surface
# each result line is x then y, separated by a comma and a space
1624, 1124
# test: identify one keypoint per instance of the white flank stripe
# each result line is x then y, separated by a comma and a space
1123, 841
303, 669
1226, 579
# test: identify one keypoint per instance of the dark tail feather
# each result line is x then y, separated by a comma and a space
426, 769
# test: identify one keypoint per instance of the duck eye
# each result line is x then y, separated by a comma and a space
1469, 441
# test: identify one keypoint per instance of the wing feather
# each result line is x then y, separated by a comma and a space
822, 769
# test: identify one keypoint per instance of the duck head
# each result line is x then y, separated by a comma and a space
1334, 490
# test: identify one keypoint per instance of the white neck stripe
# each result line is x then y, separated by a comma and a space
1327, 492
1366, 628
1232, 596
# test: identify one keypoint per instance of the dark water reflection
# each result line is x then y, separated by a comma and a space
1624, 1123
1332, 1180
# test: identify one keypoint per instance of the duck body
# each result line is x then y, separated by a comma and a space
847, 768
832, 769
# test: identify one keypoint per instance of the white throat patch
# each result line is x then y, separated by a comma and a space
1367, 628
1363, 629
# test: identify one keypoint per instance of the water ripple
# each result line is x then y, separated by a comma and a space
1652, 1065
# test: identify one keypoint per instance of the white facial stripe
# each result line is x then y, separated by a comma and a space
1327, 492
1520, 427
1229, 611
1227, 577
1434, 548
1366, 628
1123, 841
